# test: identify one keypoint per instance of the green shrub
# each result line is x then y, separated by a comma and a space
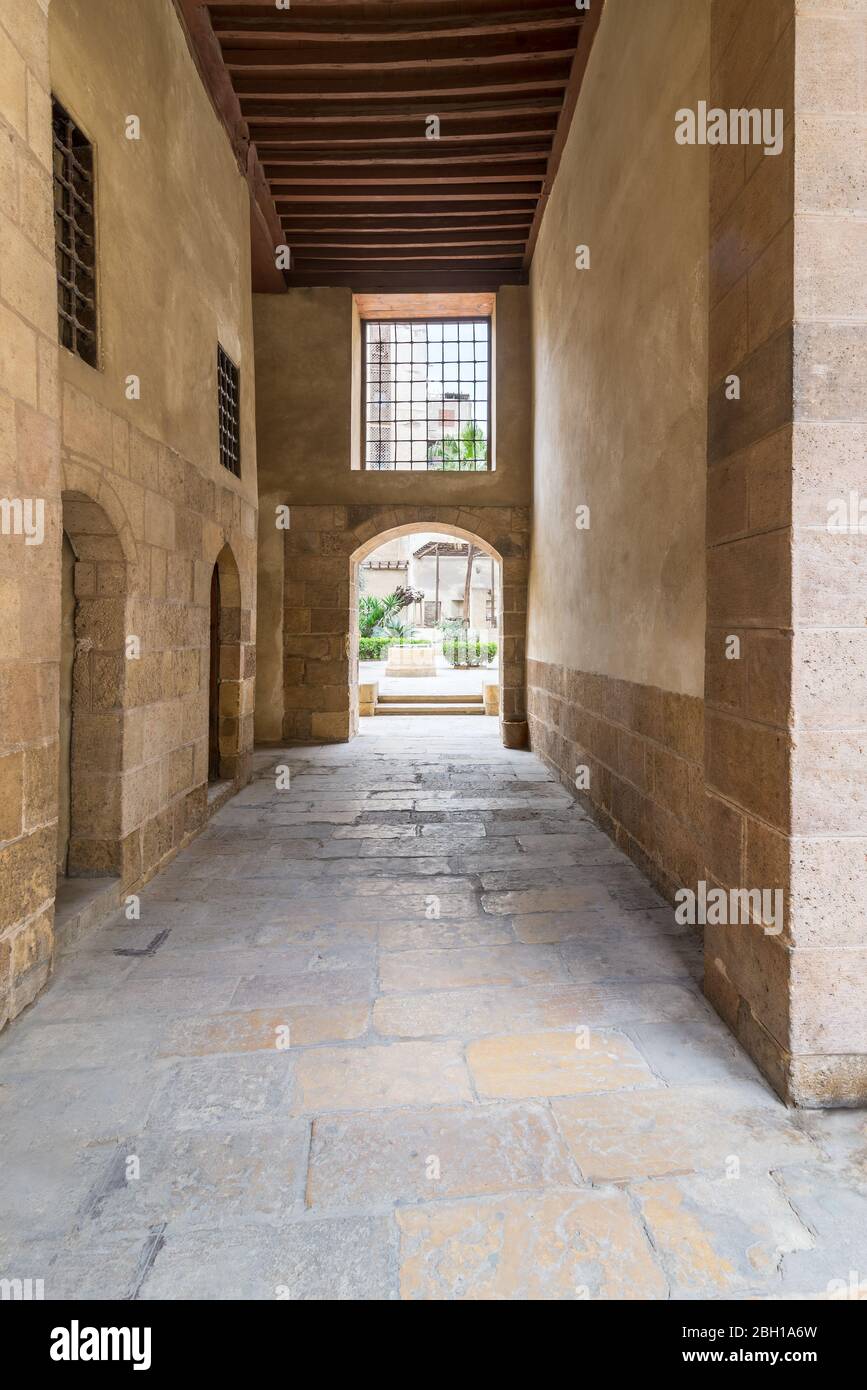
474, 652
372, 648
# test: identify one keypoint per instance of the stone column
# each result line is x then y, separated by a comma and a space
786, 689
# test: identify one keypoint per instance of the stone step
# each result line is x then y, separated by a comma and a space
430, 700
455, 707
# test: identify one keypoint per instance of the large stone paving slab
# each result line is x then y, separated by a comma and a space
356, 1078
342, 1258
482, 965
680, 1130
198, 1178
421, 1155
473, 1012
562, 1245
556, 1064
411, 1027
722, 1237
264, 1030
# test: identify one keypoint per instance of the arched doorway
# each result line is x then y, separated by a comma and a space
457, 575
320, 603
224, 669
93, 668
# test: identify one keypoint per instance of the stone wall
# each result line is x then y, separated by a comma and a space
323, 547
151, 463
785, 761
308, 402
828, 859
29, 471
616, 611
641, 750
138, 487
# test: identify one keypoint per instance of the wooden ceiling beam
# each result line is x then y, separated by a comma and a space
408, 280
416, 267
452, 111
417, 84
357, 13
406, 223
373, 227
297, 58
429, 208
430, 152
364, 241
398, 175
505, 253
385, 193
283, 141
266, 25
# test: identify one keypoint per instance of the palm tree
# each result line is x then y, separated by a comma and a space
468, 452
474, 446
378, 617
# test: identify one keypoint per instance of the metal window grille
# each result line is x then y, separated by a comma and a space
74, 235
426, 394
229, 411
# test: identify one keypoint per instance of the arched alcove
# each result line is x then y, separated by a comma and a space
224, 682
92, 690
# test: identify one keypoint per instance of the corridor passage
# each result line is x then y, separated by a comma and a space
409, 1027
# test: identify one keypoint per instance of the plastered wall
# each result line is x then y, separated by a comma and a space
620, 362
617, 608
309, 395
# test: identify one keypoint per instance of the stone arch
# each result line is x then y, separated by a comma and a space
367, 547
323, 549
93, 703
226, 667
79, 479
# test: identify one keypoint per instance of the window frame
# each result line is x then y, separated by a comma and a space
425, 319
235, 368
66, 323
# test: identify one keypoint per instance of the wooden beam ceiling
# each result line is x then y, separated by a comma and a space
337, 97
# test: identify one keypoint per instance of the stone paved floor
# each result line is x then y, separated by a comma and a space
501, 1079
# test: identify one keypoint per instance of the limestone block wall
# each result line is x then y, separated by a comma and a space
828, 858
785, 729
170, 288
323, 548
132, 475
641, 749
29, 472
617, 594
747, 749
140, 728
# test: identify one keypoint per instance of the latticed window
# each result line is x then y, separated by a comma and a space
426, 394
74, 236
229, 411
